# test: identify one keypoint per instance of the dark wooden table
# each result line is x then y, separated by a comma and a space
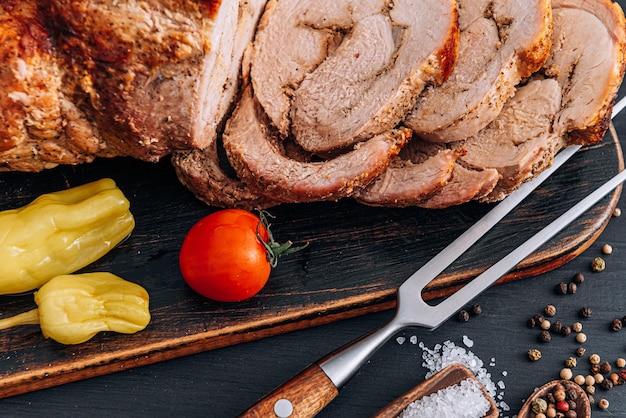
223, 382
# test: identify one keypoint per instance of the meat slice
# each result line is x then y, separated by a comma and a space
501, 43
350, 69
260, 162
588, 62
420, 170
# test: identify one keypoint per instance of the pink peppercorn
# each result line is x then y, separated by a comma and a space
562, 406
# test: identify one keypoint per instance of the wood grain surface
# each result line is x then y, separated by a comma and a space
357, 257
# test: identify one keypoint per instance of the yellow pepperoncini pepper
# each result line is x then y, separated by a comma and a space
73, 308
60, 233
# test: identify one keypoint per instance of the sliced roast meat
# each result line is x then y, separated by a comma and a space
420, 171
201, 172
257, 157
350, 69
40, 127
501, 43
588, 62
465, 185
519, 143
83, 79
548, 113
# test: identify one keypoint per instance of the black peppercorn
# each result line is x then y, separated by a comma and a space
477, 310
585, 312
572, 288
578, 278
463, 316
566, 330
545, 336
556, 326
538, 318
580, 351
531, 322
616, 325
550, 398
605, 367
606, 384
561, 288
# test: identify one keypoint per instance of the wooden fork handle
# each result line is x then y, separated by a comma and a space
304, 395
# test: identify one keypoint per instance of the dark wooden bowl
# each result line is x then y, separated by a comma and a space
583, 408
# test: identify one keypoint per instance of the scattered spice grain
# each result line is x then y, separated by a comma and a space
580, 351
577, 327
477, 310
463, 316
581, 337
598, 264
572, 288
570, 362
566, 373
606, 384
579, 379
594, 359
616, 325
557, 327
545, 336
566, 330
617, 212
550, 310
585, 312
561, 288
545, 325
605, 367
607, 249
534, 354
603, 404
578, 278
620, 362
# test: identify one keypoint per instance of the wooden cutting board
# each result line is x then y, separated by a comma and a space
357, 256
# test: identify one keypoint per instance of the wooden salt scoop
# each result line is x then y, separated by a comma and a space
449, 376
583, 408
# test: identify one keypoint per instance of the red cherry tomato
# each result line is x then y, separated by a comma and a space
222, 258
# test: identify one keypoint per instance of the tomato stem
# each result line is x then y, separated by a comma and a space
274, 249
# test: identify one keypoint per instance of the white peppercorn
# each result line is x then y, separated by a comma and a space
550, 310
594, 359
620, 362
603, 404
581, 337
579, 379
566, 373
577, 327
607, 249
617, 212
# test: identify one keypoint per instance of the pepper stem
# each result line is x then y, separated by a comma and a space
274, 249
26, 318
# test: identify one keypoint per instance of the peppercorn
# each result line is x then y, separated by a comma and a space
571, 413
566, 373
616, 325
539, 406
570, 362
556, 327
595, 368
566, 330
572, 288
607, 249
538, 318
545, 325
578, 278
477, 310
592, 400
594, 359
620, 362
550, 310
605, 367
598, 378
585, 312
598, 264
590, 380
590, 389
580, 351
603, 404
562, 406
607, 384
617, 212
577, 327
463, 315
534, 354
581, 337
561, 288
531, 323
545, 336
579, 379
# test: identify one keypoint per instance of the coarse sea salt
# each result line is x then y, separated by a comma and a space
463, 400
442, 355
